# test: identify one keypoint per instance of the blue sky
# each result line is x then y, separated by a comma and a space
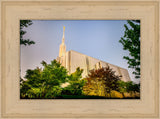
95, 38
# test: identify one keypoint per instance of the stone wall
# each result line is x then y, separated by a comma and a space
74, 59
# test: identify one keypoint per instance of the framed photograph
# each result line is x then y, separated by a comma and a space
72, 63
79, 59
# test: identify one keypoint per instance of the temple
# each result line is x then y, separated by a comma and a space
73, 59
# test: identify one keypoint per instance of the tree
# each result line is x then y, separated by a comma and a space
129, 87
23, 24
122, 87
131, 42
44, 83
102, 78
75, 83
132, 87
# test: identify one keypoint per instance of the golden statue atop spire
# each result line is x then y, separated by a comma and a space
63, 29
63, 32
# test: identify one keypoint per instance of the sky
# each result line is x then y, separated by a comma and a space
95, 38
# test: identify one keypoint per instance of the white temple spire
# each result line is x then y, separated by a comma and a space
62, 48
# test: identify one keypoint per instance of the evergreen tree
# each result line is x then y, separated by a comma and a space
131, 42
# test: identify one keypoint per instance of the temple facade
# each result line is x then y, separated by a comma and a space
72, 59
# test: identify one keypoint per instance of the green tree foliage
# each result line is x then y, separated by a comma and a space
44, 83
131, 42
122, 88
132, 87
129, 87
75, 83
23, 24
102, 78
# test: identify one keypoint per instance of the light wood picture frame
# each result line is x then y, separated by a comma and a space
12, 11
